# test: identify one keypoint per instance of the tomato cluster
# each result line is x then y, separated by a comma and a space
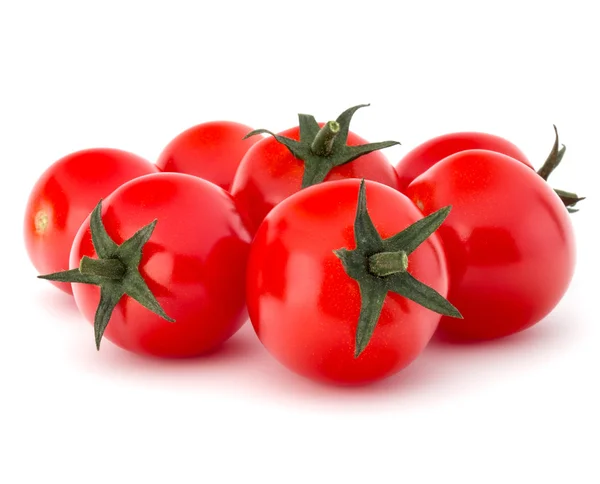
345, 264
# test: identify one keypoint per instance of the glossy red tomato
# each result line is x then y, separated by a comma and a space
426, 155
194, 263
269, 173
210, 150
65, 195
508, 241
304, 306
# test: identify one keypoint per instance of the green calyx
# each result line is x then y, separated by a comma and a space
322, 149
115, 271
554, 158
381, 265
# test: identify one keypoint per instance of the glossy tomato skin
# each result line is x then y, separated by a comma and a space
210, 150
269, 173
194, 263
303, 305
66, 194
424, 156
509, 242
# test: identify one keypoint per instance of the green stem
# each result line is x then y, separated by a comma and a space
108, 268
323, 142
388, 263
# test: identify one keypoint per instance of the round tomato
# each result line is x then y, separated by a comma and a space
65, 195
424, 156
508, 241
328, 290
278, 166
210, 150
163, 247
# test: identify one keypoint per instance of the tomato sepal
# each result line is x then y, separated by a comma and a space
323, 149
554, 159
569, 199
115, 271
381, 265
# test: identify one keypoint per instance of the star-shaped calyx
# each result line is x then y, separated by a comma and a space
554, 158
322, 149
381, 265
116, 271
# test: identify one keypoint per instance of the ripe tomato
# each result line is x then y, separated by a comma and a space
65, 195
508, 241
436, 149
192, 268
315, 309
210, 150
270, 171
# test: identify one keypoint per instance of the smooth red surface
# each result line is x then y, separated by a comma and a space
269, 173
194, 263
509, 242
303, 305
426, 155
210, 150
66, 194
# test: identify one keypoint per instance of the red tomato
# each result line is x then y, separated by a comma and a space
65, 195
194, 263
305, 307
269, 173
210, 150
508, 241
426, 155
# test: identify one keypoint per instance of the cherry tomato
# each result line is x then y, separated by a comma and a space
304, 305
65, 195
508, 241
210, 150
193, 263
436, 149
269, 172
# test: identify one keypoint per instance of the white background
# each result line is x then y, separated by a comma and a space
131, 75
